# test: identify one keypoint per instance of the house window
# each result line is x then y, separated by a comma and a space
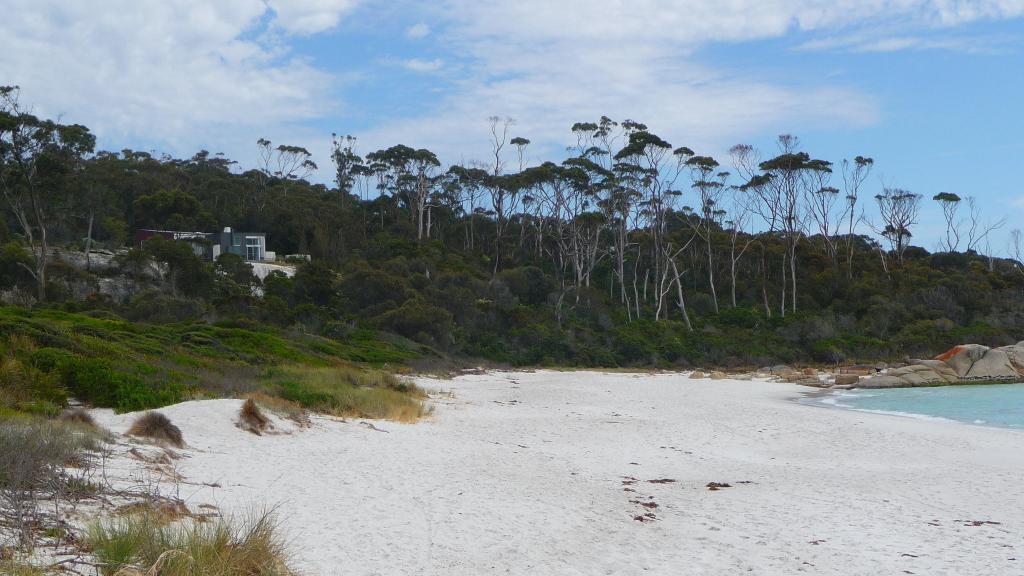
253, 248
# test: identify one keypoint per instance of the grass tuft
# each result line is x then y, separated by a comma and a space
156, 426
251, 419
144, 543
78, 416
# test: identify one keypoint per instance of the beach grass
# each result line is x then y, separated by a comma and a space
347, 391
145, 542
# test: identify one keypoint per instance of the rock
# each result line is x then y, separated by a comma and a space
810, 372
718, 375
779, 369
883, 381
857, 370
696, 375
810, 381
743, 377
846, 380
940, 368
841, 387
962, 358
994, 365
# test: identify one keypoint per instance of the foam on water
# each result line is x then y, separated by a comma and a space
989, 405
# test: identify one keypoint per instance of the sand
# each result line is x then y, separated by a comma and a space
550, 473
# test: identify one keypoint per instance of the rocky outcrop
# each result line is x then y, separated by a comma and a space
965, 363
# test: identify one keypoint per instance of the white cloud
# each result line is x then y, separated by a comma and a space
309, 16
419, 65
549, 64
417, 31
185, 74
175, 75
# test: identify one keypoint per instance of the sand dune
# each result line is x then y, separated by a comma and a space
586, 473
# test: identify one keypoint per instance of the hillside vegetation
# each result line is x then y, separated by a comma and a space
629, 252
48, 354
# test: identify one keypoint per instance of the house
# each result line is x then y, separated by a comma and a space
249, 245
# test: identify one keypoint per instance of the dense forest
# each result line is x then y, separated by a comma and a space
631, 251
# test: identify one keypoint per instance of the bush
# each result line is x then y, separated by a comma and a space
97, 381
156, 426
153, 306
415, 319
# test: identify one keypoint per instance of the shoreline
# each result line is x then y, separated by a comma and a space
815, 398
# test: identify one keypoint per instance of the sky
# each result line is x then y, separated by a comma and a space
932, 90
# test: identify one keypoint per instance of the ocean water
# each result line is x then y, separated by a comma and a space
990, 405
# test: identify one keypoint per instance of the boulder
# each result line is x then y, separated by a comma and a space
940, 368
718, 375
743, 377
810, 372
962, 357
846, 379
696, 375
994, 365
812, 381
883, 381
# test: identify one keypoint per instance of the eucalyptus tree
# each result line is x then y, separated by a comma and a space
348, 166
950, 204
466, 186
600, 142
758, 200
854, 175
709, 182
782, 185
410, 176
650, 165
821, 206
739, 238
37, 157
279, 164
898, 210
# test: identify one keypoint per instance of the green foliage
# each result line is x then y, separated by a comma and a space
171, 210
47, 354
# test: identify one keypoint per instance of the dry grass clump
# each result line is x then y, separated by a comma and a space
284, 408
251, 419
78, 416
349, 392
156, 426
143, 543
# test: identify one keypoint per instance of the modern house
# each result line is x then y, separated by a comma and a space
249, 245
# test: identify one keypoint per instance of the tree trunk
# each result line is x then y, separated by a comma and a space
679, 292
88, 244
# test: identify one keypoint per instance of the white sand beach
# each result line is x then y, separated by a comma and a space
551, 473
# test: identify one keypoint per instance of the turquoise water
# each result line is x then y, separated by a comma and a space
990, 405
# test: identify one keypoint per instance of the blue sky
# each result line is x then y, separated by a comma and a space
931, 89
